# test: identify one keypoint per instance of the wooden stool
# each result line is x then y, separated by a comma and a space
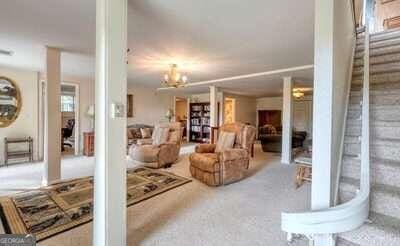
304, 170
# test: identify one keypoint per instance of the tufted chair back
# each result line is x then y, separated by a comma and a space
175, 131
245, 134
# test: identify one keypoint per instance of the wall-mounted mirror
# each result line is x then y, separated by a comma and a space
10, 101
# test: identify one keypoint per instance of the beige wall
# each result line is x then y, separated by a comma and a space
149, 106
181, 110
27, 122
245, 108
385, 11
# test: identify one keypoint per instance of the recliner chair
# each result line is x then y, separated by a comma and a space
228, 166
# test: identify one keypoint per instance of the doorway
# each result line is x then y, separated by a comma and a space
181, 114
69, 106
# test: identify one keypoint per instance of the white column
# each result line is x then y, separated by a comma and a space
222, 109
213, 106
52, 139
109, 226
323, 110
287, 120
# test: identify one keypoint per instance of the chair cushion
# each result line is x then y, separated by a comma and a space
160, 135
135, 133
225, 141
145, 132
144, 153
208, 162
129, 134
144, 141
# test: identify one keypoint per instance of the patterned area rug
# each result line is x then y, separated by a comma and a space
54, 209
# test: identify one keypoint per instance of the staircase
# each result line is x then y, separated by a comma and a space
383, 227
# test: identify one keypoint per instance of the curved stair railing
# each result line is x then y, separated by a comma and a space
354, 213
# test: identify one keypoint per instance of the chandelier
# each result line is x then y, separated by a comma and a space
173, 78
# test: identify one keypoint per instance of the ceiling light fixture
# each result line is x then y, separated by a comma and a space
6, 52
173, 78
297, 93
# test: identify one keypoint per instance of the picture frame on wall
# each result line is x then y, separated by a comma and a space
10, 101
129, 106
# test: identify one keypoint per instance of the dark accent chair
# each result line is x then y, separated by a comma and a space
67, 133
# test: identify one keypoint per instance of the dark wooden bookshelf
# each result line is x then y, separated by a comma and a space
199, 122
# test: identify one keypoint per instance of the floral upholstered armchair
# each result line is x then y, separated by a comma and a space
227, 161
162, 149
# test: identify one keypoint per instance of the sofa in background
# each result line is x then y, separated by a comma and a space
273, 143
228, 166
271, 140
134, 134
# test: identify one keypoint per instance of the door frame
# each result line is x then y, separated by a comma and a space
76, 115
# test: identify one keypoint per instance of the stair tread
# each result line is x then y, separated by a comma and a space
392, 77
374, 160
380, 43
387, 67
350, 184
379, 51
373, 141
383, 231
376, 107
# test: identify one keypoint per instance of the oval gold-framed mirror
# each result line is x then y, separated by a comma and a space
10, 101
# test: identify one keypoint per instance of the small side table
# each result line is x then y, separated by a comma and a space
88, 143
21, 153
304, 170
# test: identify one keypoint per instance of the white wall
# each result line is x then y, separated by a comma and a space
27, 122
344, 39
149, 106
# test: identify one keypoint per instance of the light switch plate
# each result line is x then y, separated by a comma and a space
117, 110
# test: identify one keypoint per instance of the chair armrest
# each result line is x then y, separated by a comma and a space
168, 154
234, 154
205, 148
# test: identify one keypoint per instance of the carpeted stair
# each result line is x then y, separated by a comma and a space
383, 227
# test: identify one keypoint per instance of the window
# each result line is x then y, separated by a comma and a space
67, 103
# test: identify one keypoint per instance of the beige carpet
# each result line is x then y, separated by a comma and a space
244, 213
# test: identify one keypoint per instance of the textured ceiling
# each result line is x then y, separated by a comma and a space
207, 39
